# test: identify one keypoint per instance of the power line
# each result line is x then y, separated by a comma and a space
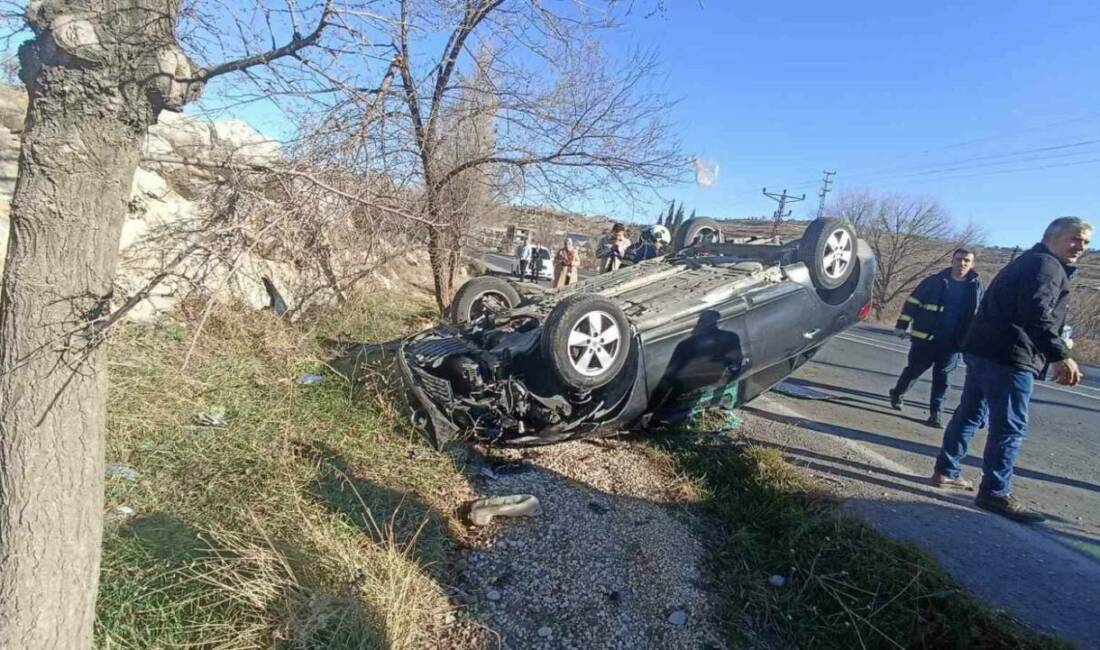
960, 164
1092, 161
1015, 134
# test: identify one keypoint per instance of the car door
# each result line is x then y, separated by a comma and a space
782, 321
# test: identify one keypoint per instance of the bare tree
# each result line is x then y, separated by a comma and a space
98, 73
565, 122
911, 238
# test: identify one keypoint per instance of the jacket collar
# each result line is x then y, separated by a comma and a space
971, 275
1041, 248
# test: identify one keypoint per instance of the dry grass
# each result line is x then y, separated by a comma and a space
313, 519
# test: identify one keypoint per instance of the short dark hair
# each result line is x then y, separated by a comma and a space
964, 251
618, 227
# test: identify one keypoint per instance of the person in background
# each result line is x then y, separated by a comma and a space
536, 261
523, 254
1017, 336
612, 248
937, 315
651, 244
566, 263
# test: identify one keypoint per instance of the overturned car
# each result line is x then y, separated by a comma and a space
637, 347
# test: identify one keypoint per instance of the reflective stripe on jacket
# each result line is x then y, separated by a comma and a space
921, 312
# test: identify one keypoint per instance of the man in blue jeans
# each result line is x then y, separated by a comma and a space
1016, 337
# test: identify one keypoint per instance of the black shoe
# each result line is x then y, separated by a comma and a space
895, 400
934, 421
1008, 507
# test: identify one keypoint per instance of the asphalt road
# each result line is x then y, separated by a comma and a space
1057, 471
845, 432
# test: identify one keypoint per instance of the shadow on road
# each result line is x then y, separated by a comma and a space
927, 451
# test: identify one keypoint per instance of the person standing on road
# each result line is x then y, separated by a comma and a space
937, 315
1017, 336
565, 270
523, 254
536, 262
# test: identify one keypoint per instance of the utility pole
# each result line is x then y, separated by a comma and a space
781, 211
826, 182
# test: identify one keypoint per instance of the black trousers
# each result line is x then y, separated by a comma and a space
922, 356
522, 268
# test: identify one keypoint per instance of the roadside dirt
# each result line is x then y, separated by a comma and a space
613, 561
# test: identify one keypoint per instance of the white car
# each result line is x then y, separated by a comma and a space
547, 270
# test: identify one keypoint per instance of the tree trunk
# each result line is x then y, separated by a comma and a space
437, 256
91, 103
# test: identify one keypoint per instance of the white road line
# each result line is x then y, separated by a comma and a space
1080, 391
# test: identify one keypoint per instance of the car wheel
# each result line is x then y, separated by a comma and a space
480, 296
703, 228
828, 249
586, 340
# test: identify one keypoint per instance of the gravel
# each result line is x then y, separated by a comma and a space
612, 562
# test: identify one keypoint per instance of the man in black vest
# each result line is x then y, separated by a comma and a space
1017, 336
936, 315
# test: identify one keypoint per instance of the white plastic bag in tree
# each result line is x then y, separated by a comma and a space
706, 173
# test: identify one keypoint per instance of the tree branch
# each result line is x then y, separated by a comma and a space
297, 43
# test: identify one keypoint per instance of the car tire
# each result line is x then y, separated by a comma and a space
580, 360
482, 295
687, 232
828, 249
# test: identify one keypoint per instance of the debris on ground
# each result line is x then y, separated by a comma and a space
118, 470
310, 379
211, 418
483, 511
777, 581
124, 511
801, 391
678, 617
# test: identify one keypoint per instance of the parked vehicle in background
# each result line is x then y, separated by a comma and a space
546, 270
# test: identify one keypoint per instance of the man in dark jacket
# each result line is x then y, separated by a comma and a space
1017, 336
937, 315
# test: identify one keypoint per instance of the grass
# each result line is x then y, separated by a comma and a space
313, 519
846, 585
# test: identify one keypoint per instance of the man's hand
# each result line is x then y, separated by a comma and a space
902, 334
1066, 372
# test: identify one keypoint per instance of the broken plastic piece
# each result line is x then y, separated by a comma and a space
309, 379
482, 511
211, 418
118, 470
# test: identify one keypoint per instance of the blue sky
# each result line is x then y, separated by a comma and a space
886, 94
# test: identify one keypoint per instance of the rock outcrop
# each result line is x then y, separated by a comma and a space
181, 157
